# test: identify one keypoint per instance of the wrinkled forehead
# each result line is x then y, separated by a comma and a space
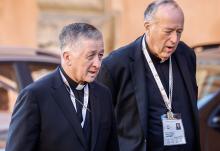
88, 45
169, 15
169, 10
85, 42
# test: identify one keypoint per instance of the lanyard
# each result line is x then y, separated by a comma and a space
167, 101
73, 98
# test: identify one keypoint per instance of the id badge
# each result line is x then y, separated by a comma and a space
173, 130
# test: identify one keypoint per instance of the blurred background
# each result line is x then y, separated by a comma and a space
29, 46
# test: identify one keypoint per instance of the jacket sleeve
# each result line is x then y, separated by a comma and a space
193, 65
106, 78
24, 127
113, 144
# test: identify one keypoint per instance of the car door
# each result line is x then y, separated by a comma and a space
209, 113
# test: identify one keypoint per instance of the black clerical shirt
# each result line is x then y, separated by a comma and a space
156, 106
79, 95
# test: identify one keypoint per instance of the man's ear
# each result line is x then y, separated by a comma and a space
67, 58
147, 26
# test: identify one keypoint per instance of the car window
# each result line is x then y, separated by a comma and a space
208, 69
208, 80
8, 94
8, 86
40, 69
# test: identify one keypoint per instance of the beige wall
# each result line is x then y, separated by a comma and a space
36, 23
53, 15
18, 22
202, 21
130, 20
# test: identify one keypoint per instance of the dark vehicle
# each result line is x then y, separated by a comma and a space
208, 76
18, 68
209, 112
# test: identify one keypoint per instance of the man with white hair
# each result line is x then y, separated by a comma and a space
153, 84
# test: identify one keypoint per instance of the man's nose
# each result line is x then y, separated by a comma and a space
97, 62
174, 37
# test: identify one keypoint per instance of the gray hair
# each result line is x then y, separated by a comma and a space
71, 34
153, 7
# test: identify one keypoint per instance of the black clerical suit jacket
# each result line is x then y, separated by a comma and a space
123, 72
44, 119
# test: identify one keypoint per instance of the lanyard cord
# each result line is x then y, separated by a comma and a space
74, 99
167, 101
72, 94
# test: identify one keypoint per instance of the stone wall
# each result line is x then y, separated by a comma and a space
54, 14
33, 23
202, 21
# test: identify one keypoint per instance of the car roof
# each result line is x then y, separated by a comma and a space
28, 54
208, 54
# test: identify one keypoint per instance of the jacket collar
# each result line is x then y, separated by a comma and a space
62, 98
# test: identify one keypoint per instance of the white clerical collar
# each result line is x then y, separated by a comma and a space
162, 61
80, 86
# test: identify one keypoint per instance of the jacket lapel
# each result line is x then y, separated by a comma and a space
186, 76
62, 98
137, 69
95, 108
